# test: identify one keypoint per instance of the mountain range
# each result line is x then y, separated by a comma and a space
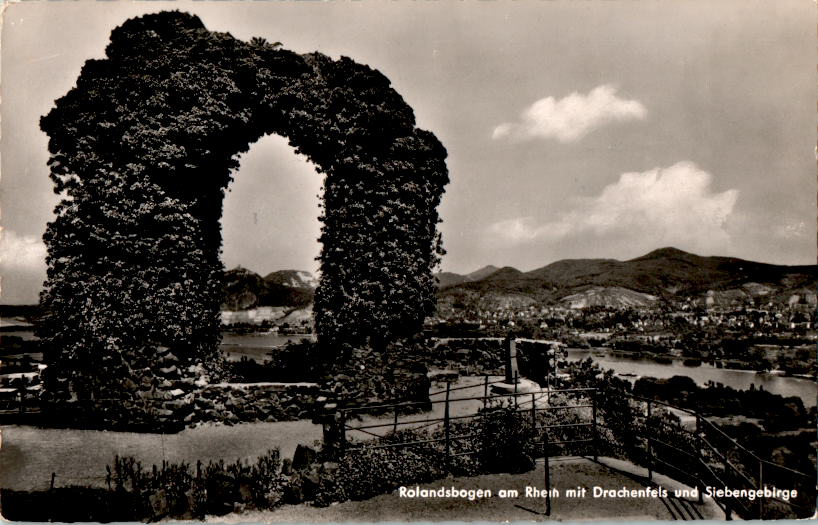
663, 274
666, 273
245, 289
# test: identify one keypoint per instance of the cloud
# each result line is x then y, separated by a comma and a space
672, 206
791, 230
572, 117
22, 267
21, 252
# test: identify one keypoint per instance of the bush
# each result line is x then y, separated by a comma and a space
499, 438
507, 440
174, 490
292, 362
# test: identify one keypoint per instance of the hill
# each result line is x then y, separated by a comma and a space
667, 273
245, 289
293, 279
445, 279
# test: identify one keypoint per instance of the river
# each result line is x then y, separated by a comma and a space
806, 389
255, 345
258, 345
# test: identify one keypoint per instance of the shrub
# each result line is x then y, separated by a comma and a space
499, 438
174, 490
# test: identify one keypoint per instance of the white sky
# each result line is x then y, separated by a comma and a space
574, 129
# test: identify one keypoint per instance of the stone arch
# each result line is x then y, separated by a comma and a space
143, 149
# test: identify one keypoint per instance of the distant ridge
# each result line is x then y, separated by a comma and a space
245, 289
445, 279
482, 273
665, 273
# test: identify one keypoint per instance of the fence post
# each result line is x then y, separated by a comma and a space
760, 486
546, 467
54, 475
515, 389
533, 411
342, 432
395, 425
593, 420
699, 453
485, 390
22, 402
650, 447
446, 427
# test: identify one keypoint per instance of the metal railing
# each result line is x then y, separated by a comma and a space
702, 456
706, 456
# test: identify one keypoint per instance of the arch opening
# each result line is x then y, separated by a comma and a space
267, 228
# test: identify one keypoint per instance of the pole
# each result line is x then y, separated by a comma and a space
515, 389
547, 468
760, 486
596, 432
395, 426
342, 432
699, 452
485, 390
446, 427
533, 411
650, 448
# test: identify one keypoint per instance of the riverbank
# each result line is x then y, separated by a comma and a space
632, 367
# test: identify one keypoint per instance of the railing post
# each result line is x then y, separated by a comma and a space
395, 425
342, 432
760, 486
446, 427
699, 453
533, 411
593, 420
485, 390
515, 389
546, 467
650, 447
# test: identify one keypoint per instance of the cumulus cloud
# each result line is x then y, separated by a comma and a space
21, 252
572, 117
672, 206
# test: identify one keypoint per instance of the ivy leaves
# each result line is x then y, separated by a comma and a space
143, 149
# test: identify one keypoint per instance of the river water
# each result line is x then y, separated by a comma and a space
255, 345
258, 346
806, 389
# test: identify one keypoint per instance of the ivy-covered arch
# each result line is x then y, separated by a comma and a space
143, 149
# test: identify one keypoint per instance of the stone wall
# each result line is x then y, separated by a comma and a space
232, 403
172, 406
470, 356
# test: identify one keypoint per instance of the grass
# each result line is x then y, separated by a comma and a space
29, 455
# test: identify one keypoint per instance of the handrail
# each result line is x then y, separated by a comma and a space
716, 428
706, 457
647, 399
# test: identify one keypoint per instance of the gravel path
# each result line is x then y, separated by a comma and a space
29, 455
